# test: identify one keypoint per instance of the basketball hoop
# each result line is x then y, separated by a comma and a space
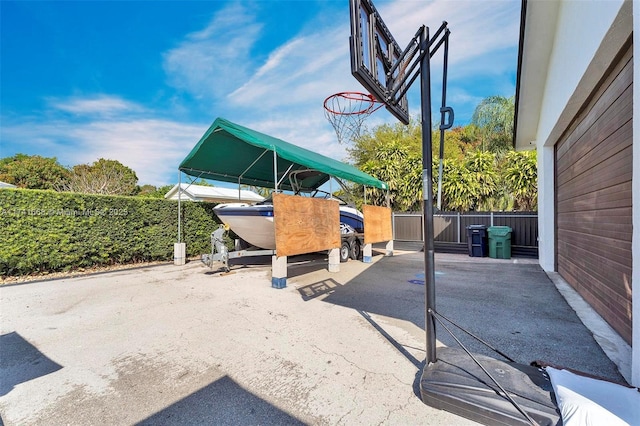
346, 111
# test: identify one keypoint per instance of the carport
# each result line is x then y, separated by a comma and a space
229, 152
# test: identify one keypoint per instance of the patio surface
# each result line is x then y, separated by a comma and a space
185, 345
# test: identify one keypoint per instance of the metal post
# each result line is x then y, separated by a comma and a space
393, 225
275, 171
443, 113
427, 195
179, 208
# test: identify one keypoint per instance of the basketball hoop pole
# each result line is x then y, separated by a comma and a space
427, 204
458, 383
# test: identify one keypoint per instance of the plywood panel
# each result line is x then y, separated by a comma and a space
377, 224
305, 225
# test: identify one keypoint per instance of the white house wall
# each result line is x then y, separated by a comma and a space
546, 208
599, 28
584, 24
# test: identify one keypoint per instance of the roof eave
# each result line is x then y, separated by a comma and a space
533, 62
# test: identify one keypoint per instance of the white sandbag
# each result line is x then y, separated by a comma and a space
584, 401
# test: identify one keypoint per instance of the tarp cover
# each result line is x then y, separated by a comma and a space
229, 152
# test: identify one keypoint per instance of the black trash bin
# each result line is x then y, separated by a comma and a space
477, 241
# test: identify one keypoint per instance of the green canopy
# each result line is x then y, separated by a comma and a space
229, 152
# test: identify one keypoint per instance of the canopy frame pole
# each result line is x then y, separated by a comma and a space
190, 183
285, 175
251, 165
275, 171
180, 200
254, 182
179, 205
246, 170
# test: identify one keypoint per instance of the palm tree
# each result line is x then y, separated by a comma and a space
493, 118
521, 178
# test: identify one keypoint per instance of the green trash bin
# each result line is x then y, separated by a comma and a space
499, 242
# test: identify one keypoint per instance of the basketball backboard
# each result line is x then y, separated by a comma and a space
374, 52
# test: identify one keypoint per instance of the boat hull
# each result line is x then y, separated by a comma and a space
254, 223
352, 217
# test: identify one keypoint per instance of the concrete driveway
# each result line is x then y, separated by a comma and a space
182, 345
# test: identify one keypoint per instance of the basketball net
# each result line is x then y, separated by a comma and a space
346, 111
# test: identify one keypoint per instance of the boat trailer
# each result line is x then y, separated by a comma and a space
220, 253
351, 248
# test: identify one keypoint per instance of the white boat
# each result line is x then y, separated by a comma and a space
254, 223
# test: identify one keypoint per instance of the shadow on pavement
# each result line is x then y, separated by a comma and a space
20, 362
222, 402
513, 306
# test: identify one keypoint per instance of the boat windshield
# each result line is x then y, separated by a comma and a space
309, 194
297, 179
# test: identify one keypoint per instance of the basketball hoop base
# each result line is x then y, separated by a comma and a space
456, 384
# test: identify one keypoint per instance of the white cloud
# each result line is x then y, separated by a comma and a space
304, 70
477, 27
152, 148
99, 104
213, 61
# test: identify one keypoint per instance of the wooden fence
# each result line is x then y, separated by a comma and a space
450, 229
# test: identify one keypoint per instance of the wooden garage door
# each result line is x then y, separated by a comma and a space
593, 198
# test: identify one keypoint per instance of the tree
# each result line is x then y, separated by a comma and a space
32, 171
493, 118
102, 177
457, 142
402, 171
481, 171
203, 182
367, 145
150, 191
521, 179
262, 191
146, 191
481, 166
460, 188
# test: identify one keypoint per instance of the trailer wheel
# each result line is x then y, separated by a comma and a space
355, 250
345, 250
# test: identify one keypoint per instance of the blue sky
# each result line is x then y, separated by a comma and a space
141, 81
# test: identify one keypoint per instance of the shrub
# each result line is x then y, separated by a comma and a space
52, 231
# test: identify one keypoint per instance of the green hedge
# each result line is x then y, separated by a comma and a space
54, 231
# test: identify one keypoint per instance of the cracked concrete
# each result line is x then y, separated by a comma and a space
179, 345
